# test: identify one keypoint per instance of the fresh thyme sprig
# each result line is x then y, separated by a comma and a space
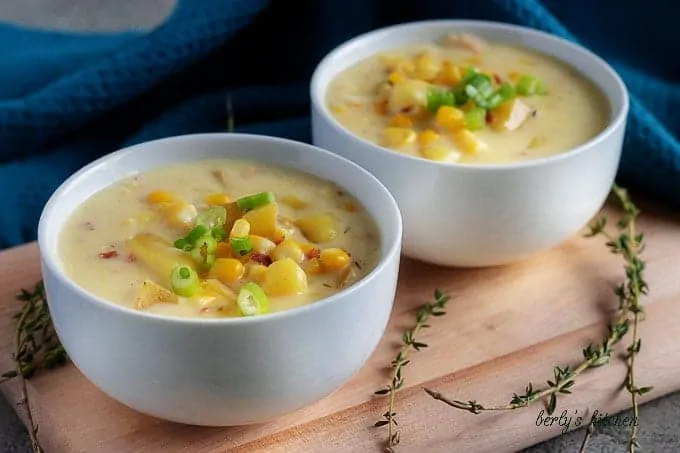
409, 343
628, 244
36, 347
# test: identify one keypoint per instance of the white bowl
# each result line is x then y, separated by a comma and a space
481, 215
221, 372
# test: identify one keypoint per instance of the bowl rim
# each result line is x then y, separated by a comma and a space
389, 253
619, 117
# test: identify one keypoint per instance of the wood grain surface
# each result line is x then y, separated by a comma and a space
505, 327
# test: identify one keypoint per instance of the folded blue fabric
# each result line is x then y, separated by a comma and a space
66, 98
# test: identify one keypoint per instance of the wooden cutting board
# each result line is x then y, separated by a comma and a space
505, 327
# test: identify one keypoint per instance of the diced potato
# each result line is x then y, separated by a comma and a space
151, 293
468, 142
263, 221
289, 248
223, 250
285, 278
158, 255
397, 136
293, 201
319, 228
408, 95
510, 115
261, 245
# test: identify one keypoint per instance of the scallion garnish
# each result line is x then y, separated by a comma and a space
252, 300
241, 246
213, 217
250, 202
184, 281
475, 118
187, 242
437, 98
529, 86
203, 250
506, 91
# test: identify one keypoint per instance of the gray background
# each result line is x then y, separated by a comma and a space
660, 420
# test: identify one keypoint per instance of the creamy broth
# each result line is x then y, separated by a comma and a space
298, 240
392, 99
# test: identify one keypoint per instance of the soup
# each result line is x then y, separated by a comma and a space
219, 238
468, 101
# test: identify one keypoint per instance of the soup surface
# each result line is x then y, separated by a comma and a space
465, 100
219, 238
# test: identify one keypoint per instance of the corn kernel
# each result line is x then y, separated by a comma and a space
306, 247
240, 229
440, 154
160, 196
427, 137
397, 136
223, 250
334, 259
451, 74
395, 77
261, 244
227, 270
181, 214
468, 141
401, 120
514, 76
449, 117
293, 201
289, 248
426, 67
256, 272
217, 199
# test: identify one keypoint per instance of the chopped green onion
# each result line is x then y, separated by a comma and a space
258, 200
460, 95
437, 98
184, 281
530, 85
213, 217
219, 234
470, 72
506, 91
187, 242
252, 300
203, 251
475, 118
241, 246
494, 101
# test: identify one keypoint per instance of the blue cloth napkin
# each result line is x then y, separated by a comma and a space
66, 98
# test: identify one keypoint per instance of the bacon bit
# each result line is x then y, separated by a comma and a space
108, 255
407, 109
489, 116
381, 107
498, 79
313, 253
130, 259
261, 258
89, 226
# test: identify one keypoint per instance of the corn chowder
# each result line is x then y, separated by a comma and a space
465, 100
223, 238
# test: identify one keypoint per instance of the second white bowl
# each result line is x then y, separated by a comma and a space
481, 215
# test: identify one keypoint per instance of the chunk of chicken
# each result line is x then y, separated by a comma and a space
510, 115
468, 41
